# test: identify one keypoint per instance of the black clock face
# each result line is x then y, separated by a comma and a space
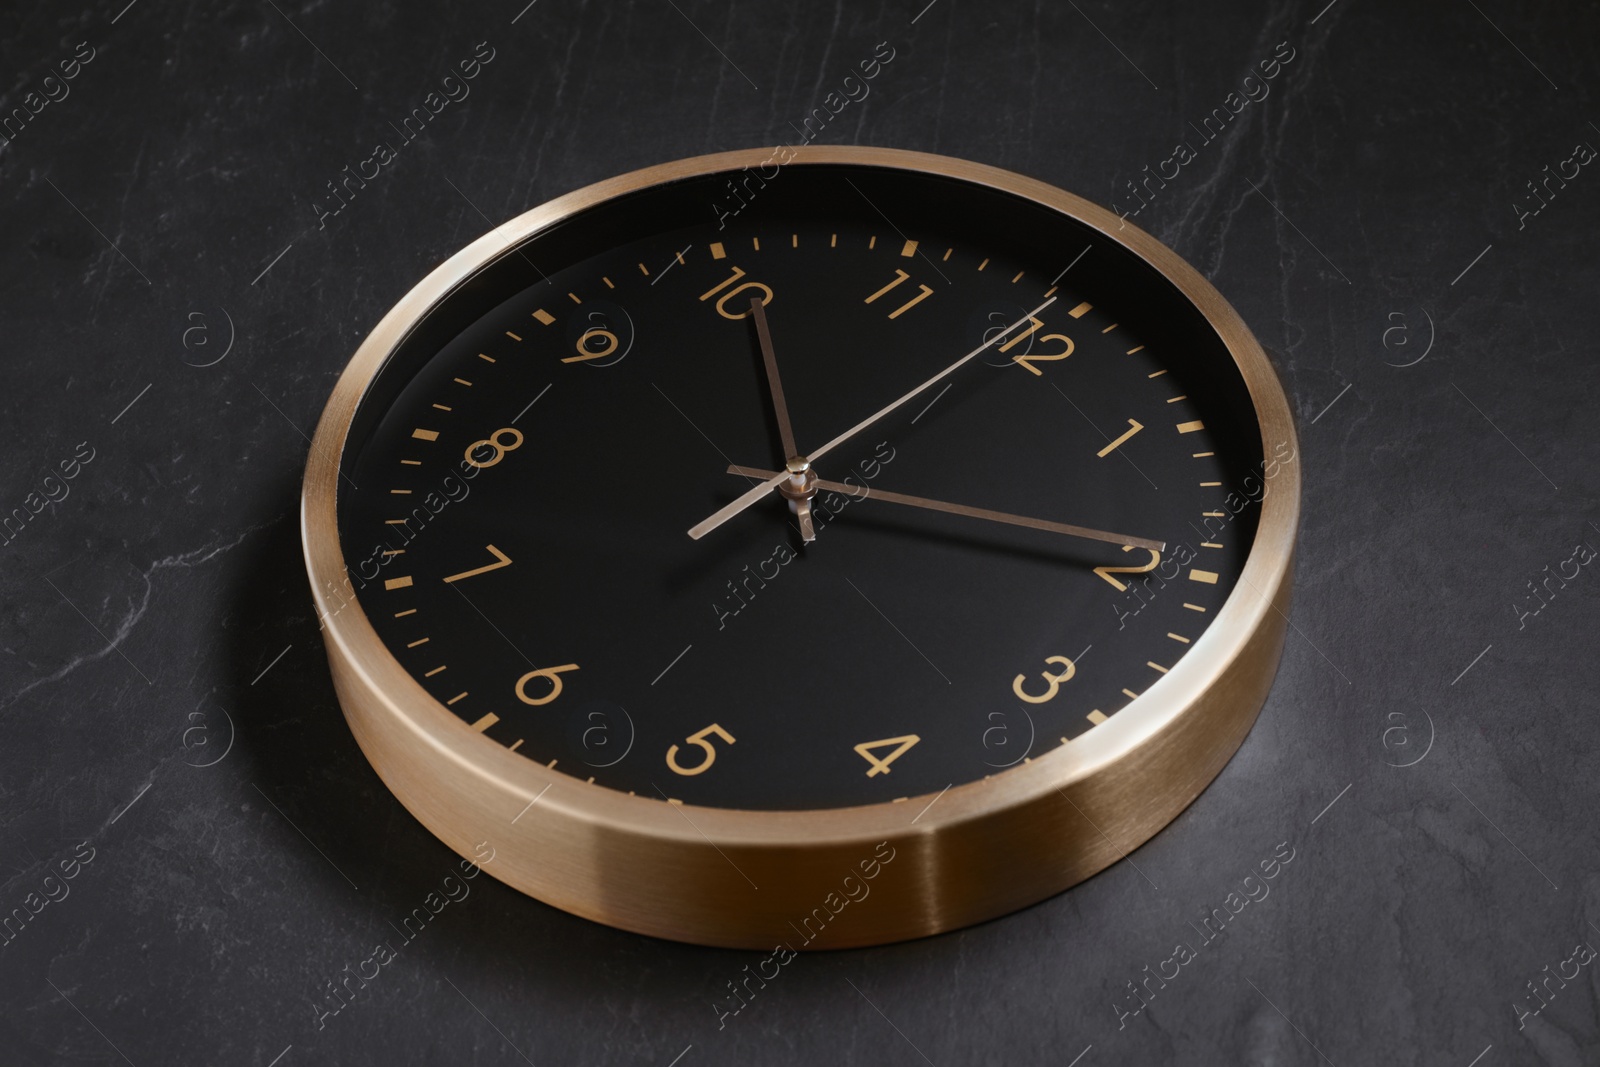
519, 482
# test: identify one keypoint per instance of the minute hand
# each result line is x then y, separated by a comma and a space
857, 492
755, 493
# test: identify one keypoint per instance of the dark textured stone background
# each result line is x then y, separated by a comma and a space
147, 602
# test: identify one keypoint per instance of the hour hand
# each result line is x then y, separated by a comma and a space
863, 493
792, 458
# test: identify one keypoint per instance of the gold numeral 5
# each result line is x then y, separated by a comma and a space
698, 738
1052, 680
880, 764
552, 674
722, 301
1107, 572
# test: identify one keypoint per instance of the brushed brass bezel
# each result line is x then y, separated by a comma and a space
753, 879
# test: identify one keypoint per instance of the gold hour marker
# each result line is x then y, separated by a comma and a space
872, 242
679, 254
1203, 455
1191, 427
394, 552
1108, 329
644, 270
909, 250
1175, 399
1209, 577
674, 800
513, 336
1081, 310
1131, 351
425, 435
485, 722
1130, 694
609, 283
459, 696
755, 242
1097, 716
443, 407
412, 462
403, 614
833, 242
1018, 277
1209, 544
574, 298
899, 800
544, 317
1194, 607
1051, 291
397, 583
1157, 374
517, 743
947, 255
1212, 515
487, 359
433, 672
1157, 666
794, 242
551, 765
1177, 637
984, 264
1209, 485
399, 492
717, 251
419, 641
462, 381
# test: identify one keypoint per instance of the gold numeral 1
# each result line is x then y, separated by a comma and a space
880, 765
502, 560
698, 738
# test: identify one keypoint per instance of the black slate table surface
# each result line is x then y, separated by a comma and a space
175, 310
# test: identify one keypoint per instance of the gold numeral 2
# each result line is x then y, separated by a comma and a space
1107, 572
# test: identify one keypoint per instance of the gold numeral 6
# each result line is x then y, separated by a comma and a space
1052, 680
698, 738
553, 674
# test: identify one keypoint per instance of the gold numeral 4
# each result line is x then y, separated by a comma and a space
880, 764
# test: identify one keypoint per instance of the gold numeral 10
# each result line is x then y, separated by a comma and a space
900, 276
880, 764
722, 301
698, 738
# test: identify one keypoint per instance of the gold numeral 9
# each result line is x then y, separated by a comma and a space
551, 674
1052, 680
698, 738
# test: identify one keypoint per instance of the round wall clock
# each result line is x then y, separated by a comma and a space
810, 550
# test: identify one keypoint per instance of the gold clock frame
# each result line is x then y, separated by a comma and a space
760, 879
